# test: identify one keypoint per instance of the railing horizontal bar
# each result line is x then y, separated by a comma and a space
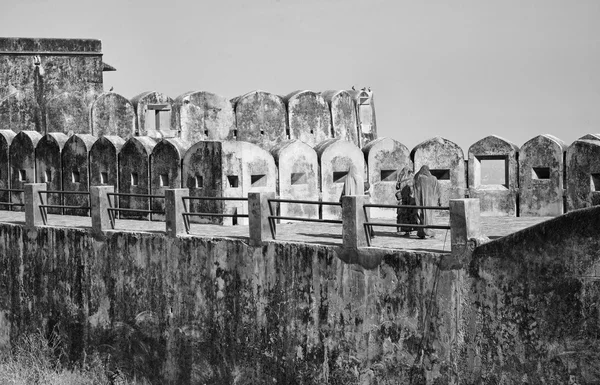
12, 190
214, 215
337, 221
63, 192
324, 203
136, 195
66, 207
216, 198
11, 204
135, 210
407, 206
407, 225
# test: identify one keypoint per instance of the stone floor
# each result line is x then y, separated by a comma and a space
320, 233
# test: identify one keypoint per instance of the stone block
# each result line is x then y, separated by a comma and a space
258, 217
100, 201
353, 220
33, 214
174, 208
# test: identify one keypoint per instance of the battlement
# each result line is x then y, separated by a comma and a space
40, 46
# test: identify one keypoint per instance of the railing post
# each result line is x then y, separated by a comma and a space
464, 224
99, 204
33, 214
353, 220
174, 208
258, 217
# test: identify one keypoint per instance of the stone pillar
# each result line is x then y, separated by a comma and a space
33, 214
258, 217
99, 201
174, 207
353, 219
464, 223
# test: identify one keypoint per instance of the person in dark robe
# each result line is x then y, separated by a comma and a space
427, 193
351, 183
405, 196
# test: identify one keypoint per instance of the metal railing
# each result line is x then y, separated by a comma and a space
11, 204
273, 217
44, 207
187, 214
113, 210
368, 226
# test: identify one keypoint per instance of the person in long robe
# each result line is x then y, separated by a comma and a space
427, 193
351, 183
405, 196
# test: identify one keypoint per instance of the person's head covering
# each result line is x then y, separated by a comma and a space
423, 171
404, 176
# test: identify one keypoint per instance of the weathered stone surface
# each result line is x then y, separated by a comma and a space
335, 157
6, 138
309, 117
22, 161
365, 115
298, 177
19, 111
493, 175
583, 174
113, 114
67, 76
69, 113
165, 169
154, 115
541, 176
134, 175
49, 167
202, 115
446, 161
261, 118
385, 158
343, 116
76, 169
104, 161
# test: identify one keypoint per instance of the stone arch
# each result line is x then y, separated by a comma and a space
22, 161
76, 171
104, 161
343, 115
113, 114
203, 115
309, 117
48, 164
583, 174
165, 169
154, 115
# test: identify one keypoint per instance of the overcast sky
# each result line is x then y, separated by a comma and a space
461, 69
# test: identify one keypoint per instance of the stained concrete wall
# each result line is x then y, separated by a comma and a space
165, 169
150, 104
49, 167
385, 158
446, 160
113, 114
298, 178
134, 175
76, 171
22, 162
541, 176
583, 174
496, 186
104, 161
202, 115
68, 112
309, 117
258, 171
343, 115
19, 111
261, 118
6, 138
335, 157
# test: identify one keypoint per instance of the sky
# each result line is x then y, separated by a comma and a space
460, 69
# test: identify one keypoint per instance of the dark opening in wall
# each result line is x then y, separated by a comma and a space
258, 180
298, 178
134, 179
262, 132
339, 176
595, 180
198, 181
48, 176
75, 176
388, 175
22, 176
233, 180
441, 174
540, 173
164, 180
103, 177
234, 134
